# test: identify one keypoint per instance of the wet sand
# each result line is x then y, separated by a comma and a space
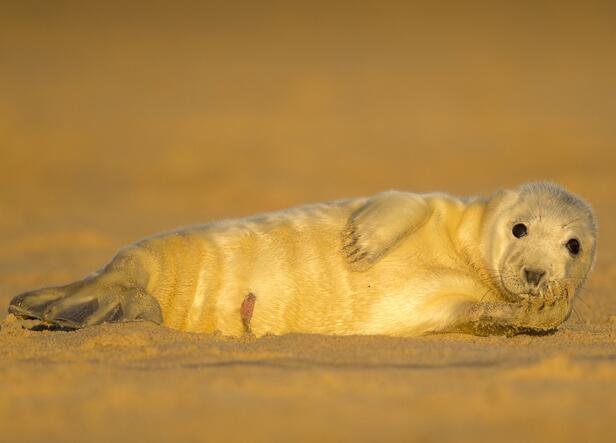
117, 122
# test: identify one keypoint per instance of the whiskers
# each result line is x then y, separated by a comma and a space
485, 294
577, 315
493, 280
581, 291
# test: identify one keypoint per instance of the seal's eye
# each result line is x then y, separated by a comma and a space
573, 246
519, 230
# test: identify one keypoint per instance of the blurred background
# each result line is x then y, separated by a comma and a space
120, 120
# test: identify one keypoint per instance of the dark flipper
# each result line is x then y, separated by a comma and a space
86, 303
33, 304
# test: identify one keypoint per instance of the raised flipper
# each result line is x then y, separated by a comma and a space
380, 224
86, 303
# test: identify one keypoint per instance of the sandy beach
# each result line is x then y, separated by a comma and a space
120, 121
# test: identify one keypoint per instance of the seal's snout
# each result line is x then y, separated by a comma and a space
534, 277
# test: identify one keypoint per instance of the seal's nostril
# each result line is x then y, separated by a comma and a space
533, 276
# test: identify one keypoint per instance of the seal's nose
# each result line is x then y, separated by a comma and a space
533, 276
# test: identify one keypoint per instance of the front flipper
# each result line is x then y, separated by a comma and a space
538, 314
380, 224
85, 304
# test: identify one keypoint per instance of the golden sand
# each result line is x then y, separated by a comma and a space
120, 121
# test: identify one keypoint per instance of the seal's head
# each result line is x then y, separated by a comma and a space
536, 234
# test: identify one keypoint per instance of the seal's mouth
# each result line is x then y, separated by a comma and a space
515, 297
515, 291
532, 292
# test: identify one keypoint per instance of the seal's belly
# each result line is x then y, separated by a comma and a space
291, 264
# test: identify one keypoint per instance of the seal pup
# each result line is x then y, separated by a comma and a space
397, 263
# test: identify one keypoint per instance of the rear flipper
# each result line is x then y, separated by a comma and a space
86, 303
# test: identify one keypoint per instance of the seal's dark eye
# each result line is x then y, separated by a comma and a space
573, 246
519, 230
